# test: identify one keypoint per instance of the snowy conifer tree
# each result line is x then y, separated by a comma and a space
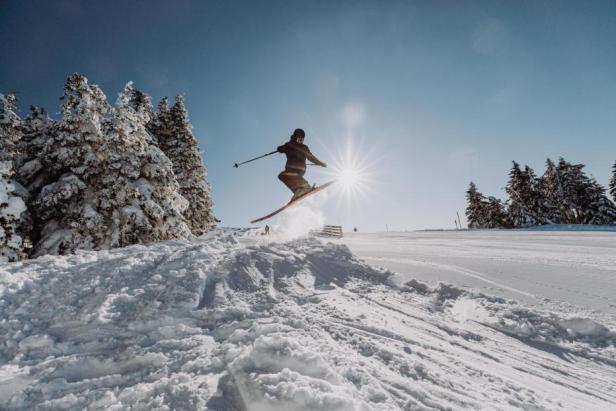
577, 188
550, 194
71, 163
569, 196
583, 200
613, 182
495, 216
521, 208
160, 124
574, 197
602, 210
152, 206
36, 128
105, 183
475, 207
12, 206
173, 132
535, 197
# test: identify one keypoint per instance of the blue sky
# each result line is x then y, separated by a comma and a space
429, 94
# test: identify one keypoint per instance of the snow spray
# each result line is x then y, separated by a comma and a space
299, 220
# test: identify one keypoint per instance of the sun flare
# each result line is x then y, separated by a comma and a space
349, 177
354, 171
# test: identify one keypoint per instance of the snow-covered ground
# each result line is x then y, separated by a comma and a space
235, 321
566, 271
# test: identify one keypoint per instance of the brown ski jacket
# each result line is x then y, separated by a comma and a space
297, 154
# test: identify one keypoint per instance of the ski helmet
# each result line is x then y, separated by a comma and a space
297, 134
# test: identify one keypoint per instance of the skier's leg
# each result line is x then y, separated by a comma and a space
293, 180
287, 178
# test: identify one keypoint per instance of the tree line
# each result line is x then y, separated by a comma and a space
564, 194
102, 176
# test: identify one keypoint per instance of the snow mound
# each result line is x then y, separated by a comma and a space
233, 321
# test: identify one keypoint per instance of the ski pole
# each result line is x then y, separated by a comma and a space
236, 165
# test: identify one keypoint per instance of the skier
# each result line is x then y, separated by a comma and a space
297, 153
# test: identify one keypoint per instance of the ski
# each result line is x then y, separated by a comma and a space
293, 202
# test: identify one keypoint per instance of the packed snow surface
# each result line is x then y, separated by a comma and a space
567, 271
238, 321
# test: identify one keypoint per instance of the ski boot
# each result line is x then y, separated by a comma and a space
301, 191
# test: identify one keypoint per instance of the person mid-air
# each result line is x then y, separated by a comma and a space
297, 153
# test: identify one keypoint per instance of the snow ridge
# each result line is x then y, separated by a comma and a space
238, 322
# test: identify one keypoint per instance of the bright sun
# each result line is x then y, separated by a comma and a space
352, 172
348, 177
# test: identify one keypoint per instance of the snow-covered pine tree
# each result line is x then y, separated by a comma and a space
494, 213
173, 132
106, 183
576, 196
550, 194
535, 197
613, 182
584, 200
144, 200
475, 207
160, 124
36, 128
12, 206
72, 161
520, 210
30, 174
577, 188
602, 209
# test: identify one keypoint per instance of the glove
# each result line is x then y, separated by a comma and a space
323, 165
280, 149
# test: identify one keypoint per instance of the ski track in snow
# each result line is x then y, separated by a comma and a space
568, 271
234, 321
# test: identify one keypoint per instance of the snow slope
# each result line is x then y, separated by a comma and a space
234, 321
571, 272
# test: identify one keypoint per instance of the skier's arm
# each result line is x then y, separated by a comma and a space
315, 160
282, 148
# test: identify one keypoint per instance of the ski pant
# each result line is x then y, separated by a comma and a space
293, 179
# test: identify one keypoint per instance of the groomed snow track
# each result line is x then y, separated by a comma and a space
234, 322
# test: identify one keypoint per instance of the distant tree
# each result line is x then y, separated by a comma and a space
550, 194
613, 182
601, 209
12, 206
173, 131
535, 199
475, 207
563, 194
495, 215
577, 199
584, 200
523, 202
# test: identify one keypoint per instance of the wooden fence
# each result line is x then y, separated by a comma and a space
329, 231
